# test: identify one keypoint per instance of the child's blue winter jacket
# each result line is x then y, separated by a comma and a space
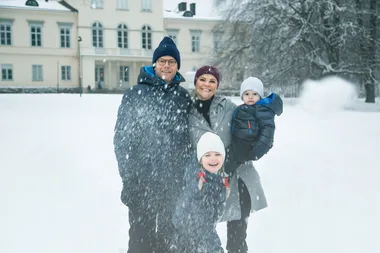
253, 128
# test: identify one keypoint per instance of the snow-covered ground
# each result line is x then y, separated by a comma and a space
60, 188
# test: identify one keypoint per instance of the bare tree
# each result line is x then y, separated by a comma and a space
285, 42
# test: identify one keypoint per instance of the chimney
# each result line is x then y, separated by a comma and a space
182, 6
192, 8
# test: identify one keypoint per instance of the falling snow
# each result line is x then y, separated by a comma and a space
60, 188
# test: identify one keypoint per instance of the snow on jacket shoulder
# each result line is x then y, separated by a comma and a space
253, 128
152, 122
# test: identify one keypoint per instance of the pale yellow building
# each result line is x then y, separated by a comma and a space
115, 38
193, 36
38, 45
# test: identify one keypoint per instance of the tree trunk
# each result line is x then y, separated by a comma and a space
370, 86
366, 52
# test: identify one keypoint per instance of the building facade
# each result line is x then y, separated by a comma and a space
38, 46
95, 44
194, 37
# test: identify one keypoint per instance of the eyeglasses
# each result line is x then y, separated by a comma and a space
171, 62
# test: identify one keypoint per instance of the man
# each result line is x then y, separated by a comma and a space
152, 149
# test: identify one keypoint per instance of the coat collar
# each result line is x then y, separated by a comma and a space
148, 76
216, 106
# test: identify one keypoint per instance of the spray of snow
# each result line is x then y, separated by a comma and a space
330, 94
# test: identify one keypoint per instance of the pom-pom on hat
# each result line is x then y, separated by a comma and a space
252, 83
208, 69
167, 47
210, 142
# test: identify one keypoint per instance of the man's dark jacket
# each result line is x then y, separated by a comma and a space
151, 141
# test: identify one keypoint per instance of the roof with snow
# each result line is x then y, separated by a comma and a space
180, 15
181, 9
42, 5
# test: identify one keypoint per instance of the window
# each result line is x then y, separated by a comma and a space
195, 41
37, 72
122, 4
122, 36
124, 74
239, 76
36, 33
66, 73
97, 4
146, 37
146, 5
6, 32
173, 33
6, 72
65, 34
97, 35
217, 37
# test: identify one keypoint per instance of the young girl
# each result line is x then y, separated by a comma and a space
202, 202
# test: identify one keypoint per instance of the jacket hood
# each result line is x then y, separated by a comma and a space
273, 102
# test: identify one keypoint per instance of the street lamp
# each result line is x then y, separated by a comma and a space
80, 69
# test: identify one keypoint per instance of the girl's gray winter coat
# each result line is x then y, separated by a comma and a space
221, 111
198, 212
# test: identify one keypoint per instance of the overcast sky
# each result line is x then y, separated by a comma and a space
204, 8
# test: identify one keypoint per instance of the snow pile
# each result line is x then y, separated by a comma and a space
327, 95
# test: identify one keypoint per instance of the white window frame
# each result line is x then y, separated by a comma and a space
122, 36
65, 30
98, 42
36, 35
6, 32
66, 73
97, 4
122, 5
37, 73
146, 37
124, 74
195, 41
6, 72
173, 33
146, 5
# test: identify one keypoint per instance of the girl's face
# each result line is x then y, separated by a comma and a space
250, 97
205, 86
212, 161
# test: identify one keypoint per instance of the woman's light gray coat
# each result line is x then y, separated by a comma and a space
221, 110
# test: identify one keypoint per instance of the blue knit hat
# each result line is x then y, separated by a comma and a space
167, 47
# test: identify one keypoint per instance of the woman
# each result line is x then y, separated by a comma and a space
213, 113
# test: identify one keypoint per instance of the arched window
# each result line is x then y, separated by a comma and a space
31, 3
97, 35
146, 36
122, 36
